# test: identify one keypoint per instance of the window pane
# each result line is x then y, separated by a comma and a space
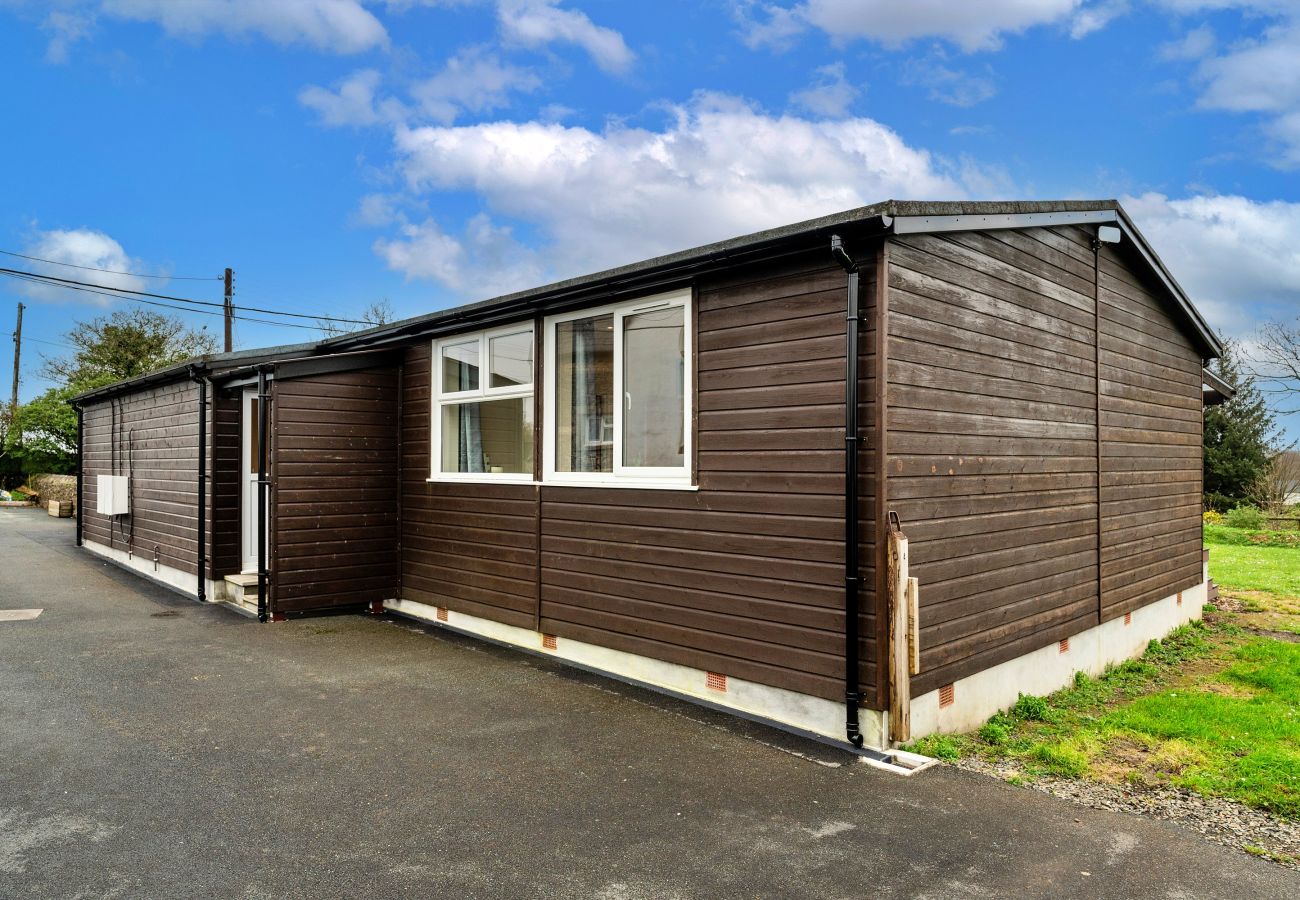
252, 423
584, 395
460, 367
510, 360
494, 436
654, 388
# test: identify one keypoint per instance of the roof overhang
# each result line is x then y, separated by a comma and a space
1110, 214
1214, 389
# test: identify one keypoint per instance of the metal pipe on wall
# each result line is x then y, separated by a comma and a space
262, 421
852, 579
201, 555
81, 444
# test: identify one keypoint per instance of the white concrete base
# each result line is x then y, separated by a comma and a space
994, 690
813, 714
183, 582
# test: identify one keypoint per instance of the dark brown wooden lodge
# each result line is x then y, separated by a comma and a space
644, 470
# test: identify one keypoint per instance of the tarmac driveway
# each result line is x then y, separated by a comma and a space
152, 747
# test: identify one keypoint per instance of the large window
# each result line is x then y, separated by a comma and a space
483, 405
618, 393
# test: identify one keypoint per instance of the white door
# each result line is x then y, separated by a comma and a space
248, 479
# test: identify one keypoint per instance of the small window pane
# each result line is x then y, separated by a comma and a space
253, 423
654, 388
584, 395
460, 367
495, 436
510, 360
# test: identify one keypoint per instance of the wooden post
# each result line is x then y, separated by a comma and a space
914, 625
900, 669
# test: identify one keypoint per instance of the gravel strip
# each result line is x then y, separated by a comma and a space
1222, 821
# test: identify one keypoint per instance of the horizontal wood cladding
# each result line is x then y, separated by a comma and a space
224, 495
1044, 450
1150, 402
467, 547
151, 436
992, 445
743, 576
336, 484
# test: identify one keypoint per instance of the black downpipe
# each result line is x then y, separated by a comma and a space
852, 580
261, 495
80, 445
202, 555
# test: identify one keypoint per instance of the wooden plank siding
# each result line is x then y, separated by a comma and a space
1022, 470
1151, 422
156, 444
335, 482
467, 547
224, 485
992, 449
743, 576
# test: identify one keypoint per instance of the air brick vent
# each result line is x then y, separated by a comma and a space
715, 681
1128, 618
549, 642
947, 696
442, 614
1064, 646
1180, 598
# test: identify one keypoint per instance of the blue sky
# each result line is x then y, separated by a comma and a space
335, 152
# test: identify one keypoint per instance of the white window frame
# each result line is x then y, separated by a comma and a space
678, 477
480, 394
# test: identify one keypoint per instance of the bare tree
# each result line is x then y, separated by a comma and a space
1279, 485
380, 312
1277, 360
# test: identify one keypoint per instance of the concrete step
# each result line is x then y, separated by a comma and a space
242, 589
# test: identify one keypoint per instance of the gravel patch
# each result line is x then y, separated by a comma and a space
1222, 821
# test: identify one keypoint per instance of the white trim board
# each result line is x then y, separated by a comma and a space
816, 715
174, 579
978, 697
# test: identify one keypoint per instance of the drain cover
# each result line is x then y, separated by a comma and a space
165, 614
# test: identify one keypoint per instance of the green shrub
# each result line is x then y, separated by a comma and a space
995, 732
1030, 709
1247, 517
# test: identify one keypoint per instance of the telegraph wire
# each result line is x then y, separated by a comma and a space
55, 281
55, 262
200, 312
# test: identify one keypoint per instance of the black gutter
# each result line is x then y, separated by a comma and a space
852, 577
202, 555
80, 445
261, 495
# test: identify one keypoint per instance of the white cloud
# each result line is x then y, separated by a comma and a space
971, 26
1259, 76
830, 95
485, 261
717, 169
79, 247
65, 27
1096, 17
473, 81
1238, 259
946, 85
353, 103
339, 26
1196, 44
536, 23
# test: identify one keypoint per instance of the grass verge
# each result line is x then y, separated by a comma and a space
1212, 708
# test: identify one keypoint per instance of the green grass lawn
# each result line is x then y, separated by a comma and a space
1214, 708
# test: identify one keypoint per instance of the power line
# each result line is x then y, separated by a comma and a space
50, 343
55, 262
101, 288
198, 312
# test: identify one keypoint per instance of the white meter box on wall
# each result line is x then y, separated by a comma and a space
111, 496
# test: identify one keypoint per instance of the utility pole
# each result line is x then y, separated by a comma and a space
18, 355
229, 308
